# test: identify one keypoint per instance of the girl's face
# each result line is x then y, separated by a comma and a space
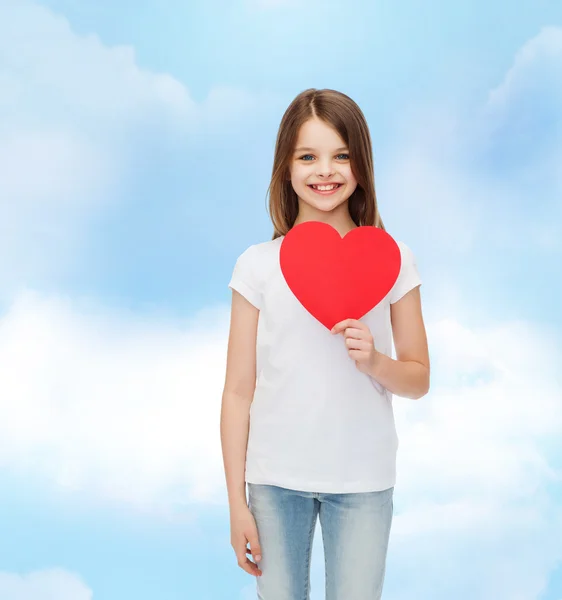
321, 157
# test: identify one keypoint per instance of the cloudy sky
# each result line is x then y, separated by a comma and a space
136, 143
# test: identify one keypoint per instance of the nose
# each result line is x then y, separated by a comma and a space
325, 169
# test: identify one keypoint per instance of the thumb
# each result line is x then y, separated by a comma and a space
255, 548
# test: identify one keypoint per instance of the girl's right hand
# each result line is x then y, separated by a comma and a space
243, 530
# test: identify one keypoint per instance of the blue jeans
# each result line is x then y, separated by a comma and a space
355, 533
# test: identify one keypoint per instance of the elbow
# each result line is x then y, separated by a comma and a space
420, 394
417, 394
423, 390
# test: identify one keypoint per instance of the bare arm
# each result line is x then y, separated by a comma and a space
239, 387
408, 375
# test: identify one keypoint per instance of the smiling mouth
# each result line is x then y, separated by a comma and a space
330, 190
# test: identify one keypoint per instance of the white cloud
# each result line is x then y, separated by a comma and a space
537, 62
442, 164
526, 110
68, 105
123, 408
78, 75
127, 409
72, 111
49, 584
478, 463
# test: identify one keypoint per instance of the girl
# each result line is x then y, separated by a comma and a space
306, 417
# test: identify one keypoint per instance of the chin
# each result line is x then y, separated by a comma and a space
329, 209
327, 206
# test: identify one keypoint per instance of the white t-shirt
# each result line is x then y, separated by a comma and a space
317, 423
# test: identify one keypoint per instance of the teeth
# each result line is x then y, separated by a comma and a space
325, 188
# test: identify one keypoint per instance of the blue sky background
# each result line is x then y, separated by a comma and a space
136, 144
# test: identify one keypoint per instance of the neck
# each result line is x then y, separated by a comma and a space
340, 220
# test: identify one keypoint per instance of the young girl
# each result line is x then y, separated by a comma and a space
306, 417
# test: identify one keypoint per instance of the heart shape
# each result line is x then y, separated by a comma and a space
337, 278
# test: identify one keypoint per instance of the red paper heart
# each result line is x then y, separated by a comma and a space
337, 278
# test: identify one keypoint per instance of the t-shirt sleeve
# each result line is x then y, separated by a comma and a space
408, 278
245, 277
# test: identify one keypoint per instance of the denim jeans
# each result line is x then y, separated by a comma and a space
355, 532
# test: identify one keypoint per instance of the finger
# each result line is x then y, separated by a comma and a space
353, 332
249, 566
338, 327
355, 344
255, 549
358, 355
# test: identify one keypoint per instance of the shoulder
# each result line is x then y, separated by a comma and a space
407, 255
408, 276
405, 249
261, 252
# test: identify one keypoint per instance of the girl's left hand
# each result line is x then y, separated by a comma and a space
359, 342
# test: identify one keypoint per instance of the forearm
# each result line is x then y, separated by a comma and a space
234, 428
408, 379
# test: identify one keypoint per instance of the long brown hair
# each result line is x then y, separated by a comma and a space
345, 116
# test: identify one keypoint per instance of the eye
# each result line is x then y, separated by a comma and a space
305, 155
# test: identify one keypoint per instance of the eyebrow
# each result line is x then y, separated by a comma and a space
312, 149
